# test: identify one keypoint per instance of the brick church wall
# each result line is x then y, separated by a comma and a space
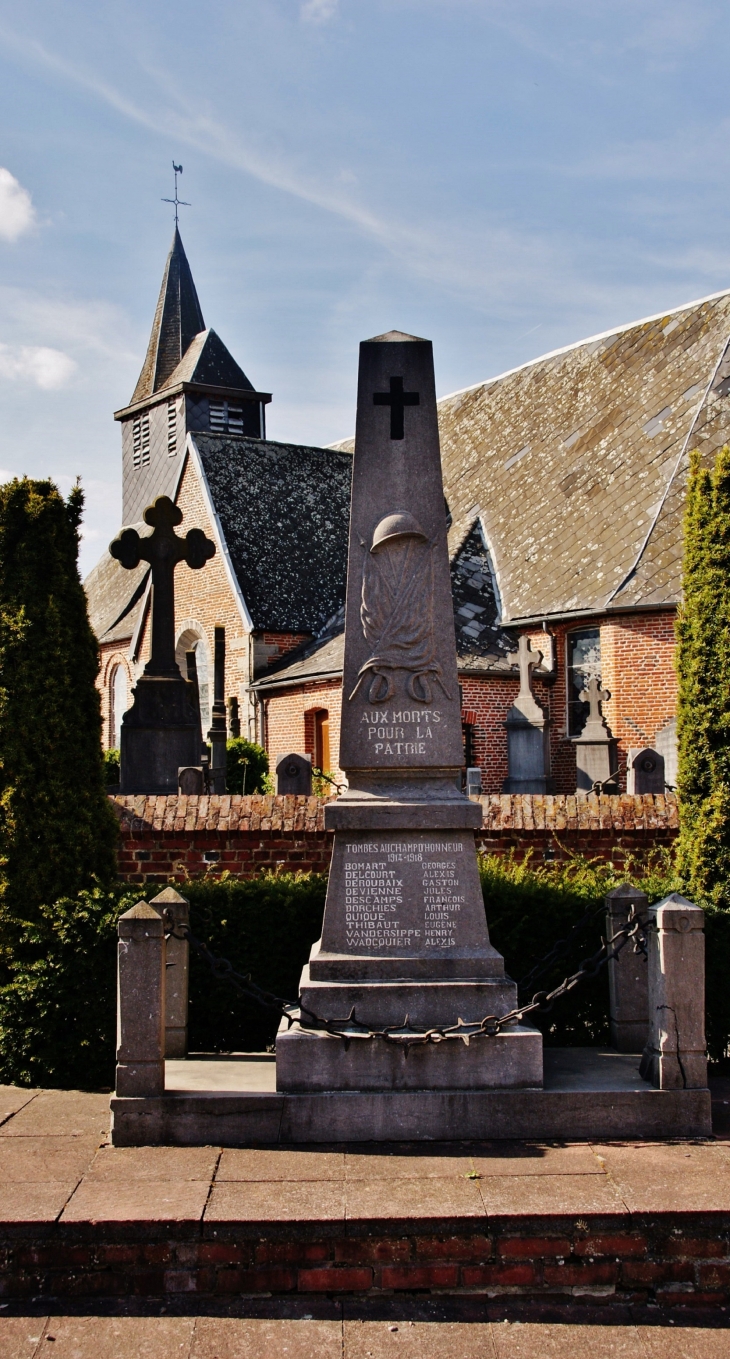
290, 721
174, 838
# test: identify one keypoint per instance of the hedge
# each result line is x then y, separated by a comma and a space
57, 1014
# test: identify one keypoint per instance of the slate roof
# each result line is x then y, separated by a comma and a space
568, 461
114, 595
207, 361
178, 319
576, 463
482, 644
284, 511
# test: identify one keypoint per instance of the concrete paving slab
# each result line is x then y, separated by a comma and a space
655, 1178
528, 1340
418, 1340
35, 1202
12, 1098
388, 1165
61, 1113
397, 1200
46, 1158
20, 1336
234, 1338
244, 1072
144, 1201
543, 1195
508, 1158
281, 1164
99, 1337
153, 1163
591, 1069
684, 1342
320, 1201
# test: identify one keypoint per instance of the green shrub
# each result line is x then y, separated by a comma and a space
703, 670
57, 830
265, 926
530, 906
58, 1009
112, 768
246, 764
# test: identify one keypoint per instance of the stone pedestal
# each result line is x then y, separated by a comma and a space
140, 1003
159, 734
175, 912
675, 1056
404, 940
595, 748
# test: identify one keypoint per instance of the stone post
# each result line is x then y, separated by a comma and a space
628, 974
175, 911
675, 1057
141, 1003
218, 733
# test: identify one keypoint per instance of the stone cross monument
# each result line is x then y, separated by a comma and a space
404, 937
527, 729
160, 732
595, 748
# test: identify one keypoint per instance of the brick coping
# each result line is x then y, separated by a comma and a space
509, 811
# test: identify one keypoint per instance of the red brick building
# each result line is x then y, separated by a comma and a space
565, 483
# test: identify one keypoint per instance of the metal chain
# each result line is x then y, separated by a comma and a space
406, 1035
560, 949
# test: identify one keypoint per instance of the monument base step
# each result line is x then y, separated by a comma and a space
310, 1060
588, 1093
425, 1003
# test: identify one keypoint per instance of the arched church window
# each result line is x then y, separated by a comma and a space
322, 740
117, 704
191, 640
584, 662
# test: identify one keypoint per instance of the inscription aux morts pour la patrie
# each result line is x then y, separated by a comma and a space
377, 888
396, 731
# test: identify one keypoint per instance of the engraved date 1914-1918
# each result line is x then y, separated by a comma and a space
399, 731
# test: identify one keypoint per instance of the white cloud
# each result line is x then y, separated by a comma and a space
319, 11
17, 214
48, 369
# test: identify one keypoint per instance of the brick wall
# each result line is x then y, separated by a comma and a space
637, 654
164, 838
290, 721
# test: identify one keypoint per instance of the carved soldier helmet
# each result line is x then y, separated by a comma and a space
394, 527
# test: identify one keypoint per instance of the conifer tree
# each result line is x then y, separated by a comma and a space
703, 667
57, 830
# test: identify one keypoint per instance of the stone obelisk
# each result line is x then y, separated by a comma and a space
404, 934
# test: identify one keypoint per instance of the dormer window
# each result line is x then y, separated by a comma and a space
141, 442
226, 417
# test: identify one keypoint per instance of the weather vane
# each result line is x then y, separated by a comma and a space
178, 202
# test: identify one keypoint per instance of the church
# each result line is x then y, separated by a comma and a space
565, 481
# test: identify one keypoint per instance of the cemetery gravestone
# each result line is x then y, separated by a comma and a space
644, 771
595, 748
528, 750
294, 775
404, 937
191, 780
159, 732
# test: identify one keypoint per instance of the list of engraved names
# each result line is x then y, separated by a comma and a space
403, 894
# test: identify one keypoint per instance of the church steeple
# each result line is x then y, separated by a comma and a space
190, 384
178, 319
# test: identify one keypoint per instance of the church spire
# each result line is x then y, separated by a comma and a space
178, 319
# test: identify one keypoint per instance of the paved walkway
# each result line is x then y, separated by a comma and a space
57, 1167
162, 1337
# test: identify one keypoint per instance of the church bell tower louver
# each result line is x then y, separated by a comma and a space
189, 381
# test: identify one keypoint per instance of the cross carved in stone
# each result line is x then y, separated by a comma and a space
397, 399
163, 550
594, 696
527, 659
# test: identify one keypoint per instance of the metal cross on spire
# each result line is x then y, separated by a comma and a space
178, 202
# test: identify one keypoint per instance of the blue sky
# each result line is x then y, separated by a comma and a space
502, 176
